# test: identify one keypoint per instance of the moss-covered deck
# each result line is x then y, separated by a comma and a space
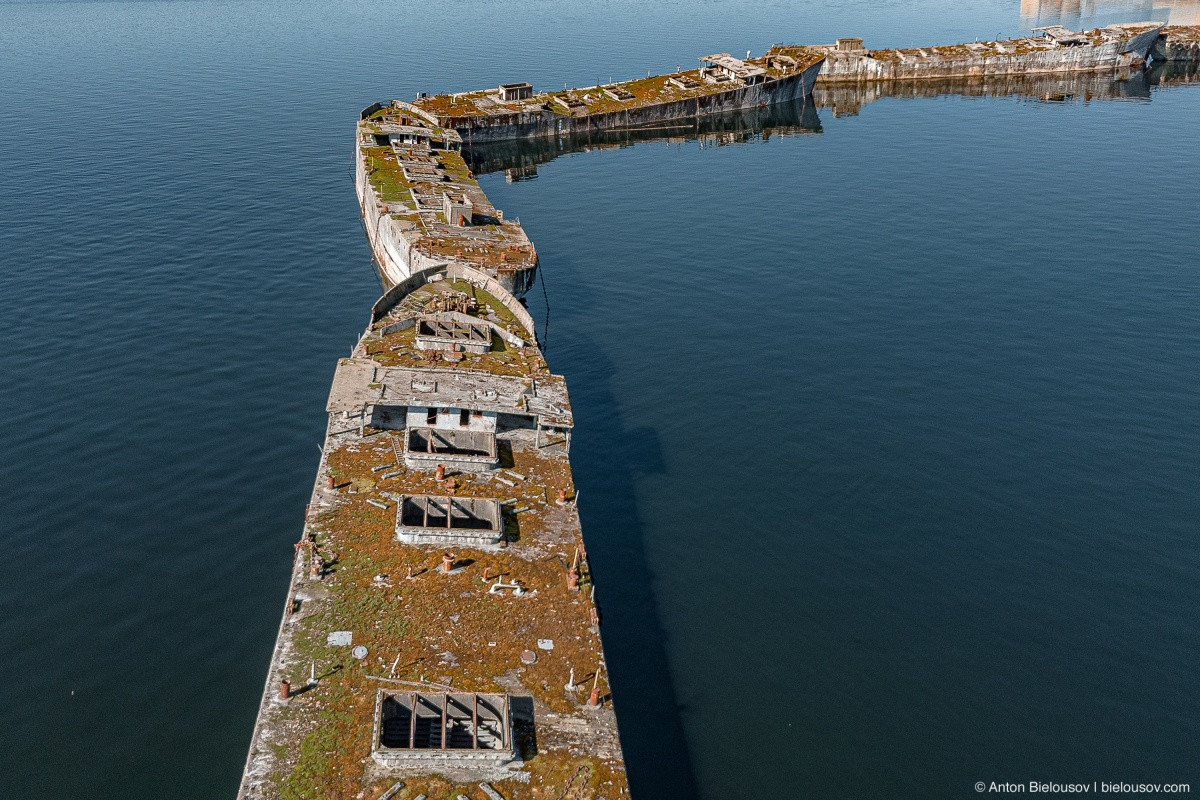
642, 92
414, 200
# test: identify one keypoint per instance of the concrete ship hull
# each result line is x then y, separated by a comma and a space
396, 250
364, 575
398, 246
960, 62
1178, 44
530, 124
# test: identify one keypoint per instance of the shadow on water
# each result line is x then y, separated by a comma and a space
617, 457
652, 733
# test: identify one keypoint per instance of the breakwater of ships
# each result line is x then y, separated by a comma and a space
784, 73
441, 631
409, 229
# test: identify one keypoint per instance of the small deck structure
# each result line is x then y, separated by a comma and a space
514, 92
458, 209
1063, 36
571, 102
722, 68
421, 136
617, 93
445, 332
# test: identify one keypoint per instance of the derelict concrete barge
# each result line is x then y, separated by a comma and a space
422, 208
440, 636
720, 84
421, 205
1054, 50
1179, 44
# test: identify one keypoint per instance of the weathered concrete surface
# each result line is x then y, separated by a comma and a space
1178, 43
456, 272
1109, 49
396, 241
375, 603
543, 122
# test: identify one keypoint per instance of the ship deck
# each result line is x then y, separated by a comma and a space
1055, 38
428, 630
452, 109
516, 355
409, 183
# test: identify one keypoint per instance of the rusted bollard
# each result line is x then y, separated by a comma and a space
451, 486
285, 690
447, 562
329, 482
562, 497
594, 697
441, 472
487, 574
573, 573
410, 575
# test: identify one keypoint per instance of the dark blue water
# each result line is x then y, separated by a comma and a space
888, 440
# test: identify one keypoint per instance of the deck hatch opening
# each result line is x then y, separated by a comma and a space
446, 333
412, 727
426, 519
459, 331
451, 443
618, 93
569, 101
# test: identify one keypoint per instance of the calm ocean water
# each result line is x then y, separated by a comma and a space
888, 438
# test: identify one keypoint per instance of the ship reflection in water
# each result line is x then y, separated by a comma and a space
1080, 14
1135, 85
519, 158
